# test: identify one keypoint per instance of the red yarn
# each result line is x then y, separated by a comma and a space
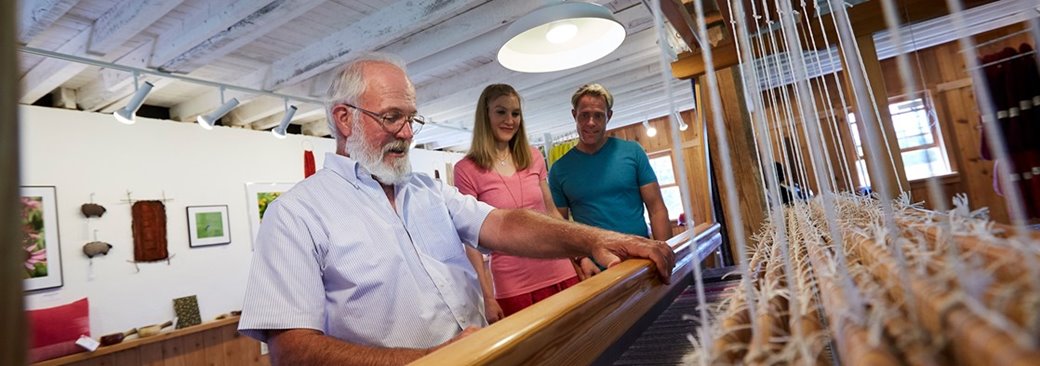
308, 163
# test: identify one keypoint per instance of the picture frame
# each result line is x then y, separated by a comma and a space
39, 220
258, 196
208, 225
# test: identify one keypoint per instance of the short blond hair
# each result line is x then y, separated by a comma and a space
594, 90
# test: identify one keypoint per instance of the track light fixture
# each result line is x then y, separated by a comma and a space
126, 115
207, 121
682, 124
279, 131
650, 130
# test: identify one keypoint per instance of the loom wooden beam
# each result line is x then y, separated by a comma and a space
555, 331
867, 18
746, 165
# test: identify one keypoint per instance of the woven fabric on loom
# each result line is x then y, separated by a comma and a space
664, 342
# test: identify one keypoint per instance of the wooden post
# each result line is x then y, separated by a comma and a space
746, 166
13, 333
891, 160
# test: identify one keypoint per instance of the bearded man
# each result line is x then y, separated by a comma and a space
364, 262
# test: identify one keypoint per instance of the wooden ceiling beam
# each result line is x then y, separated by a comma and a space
111, 31
867, 18
416, 45
382, 27
35, 16
461, 30
112, 85
455, 91
202, 39
125, 20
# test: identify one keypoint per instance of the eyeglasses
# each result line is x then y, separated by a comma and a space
394, 121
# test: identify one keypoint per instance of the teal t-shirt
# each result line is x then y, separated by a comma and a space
602, 189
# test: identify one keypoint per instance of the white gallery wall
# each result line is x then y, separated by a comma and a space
81, 154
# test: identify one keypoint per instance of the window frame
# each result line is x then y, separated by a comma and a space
675, 175
938, 140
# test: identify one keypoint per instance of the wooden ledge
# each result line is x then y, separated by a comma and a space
577, 325
138, 342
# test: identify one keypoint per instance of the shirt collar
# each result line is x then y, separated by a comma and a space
346, 167
350, 169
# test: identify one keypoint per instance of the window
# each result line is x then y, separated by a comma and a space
919, 136
661, 162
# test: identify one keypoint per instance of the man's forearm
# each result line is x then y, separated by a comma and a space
530, 234
660, 226
527, 233
308, 347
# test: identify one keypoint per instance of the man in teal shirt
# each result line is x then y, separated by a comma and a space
605, 182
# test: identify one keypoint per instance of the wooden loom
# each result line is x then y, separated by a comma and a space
575, 326
867, 281
841, 278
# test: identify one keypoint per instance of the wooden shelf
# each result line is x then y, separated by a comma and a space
138, 342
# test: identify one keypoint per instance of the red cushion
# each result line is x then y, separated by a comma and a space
55, 330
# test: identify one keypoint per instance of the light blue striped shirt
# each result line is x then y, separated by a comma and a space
333, 255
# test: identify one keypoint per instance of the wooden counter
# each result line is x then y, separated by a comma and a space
211, 343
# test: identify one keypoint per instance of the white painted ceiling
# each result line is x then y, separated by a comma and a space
291, 47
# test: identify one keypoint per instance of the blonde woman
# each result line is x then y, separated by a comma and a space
503, 170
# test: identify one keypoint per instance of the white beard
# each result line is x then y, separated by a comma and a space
371, 157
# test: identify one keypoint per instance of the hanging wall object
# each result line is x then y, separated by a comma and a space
258, 196
39, 219
187, 311
149, 227
92, 210
208, 225
95, 248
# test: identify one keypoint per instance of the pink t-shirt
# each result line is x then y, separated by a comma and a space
514, 275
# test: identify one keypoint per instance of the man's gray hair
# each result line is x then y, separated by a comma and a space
350, 83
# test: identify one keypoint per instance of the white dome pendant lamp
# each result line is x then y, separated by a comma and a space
560, 36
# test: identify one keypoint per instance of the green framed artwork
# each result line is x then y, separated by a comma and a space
39, 220
208, 225
258, 197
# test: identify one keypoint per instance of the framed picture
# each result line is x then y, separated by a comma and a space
39, 220
258, 196
208, 225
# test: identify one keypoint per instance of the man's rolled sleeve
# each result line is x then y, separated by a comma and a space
285, 288
467, 214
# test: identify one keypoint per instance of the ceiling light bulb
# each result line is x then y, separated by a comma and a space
561, 33
651, 132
